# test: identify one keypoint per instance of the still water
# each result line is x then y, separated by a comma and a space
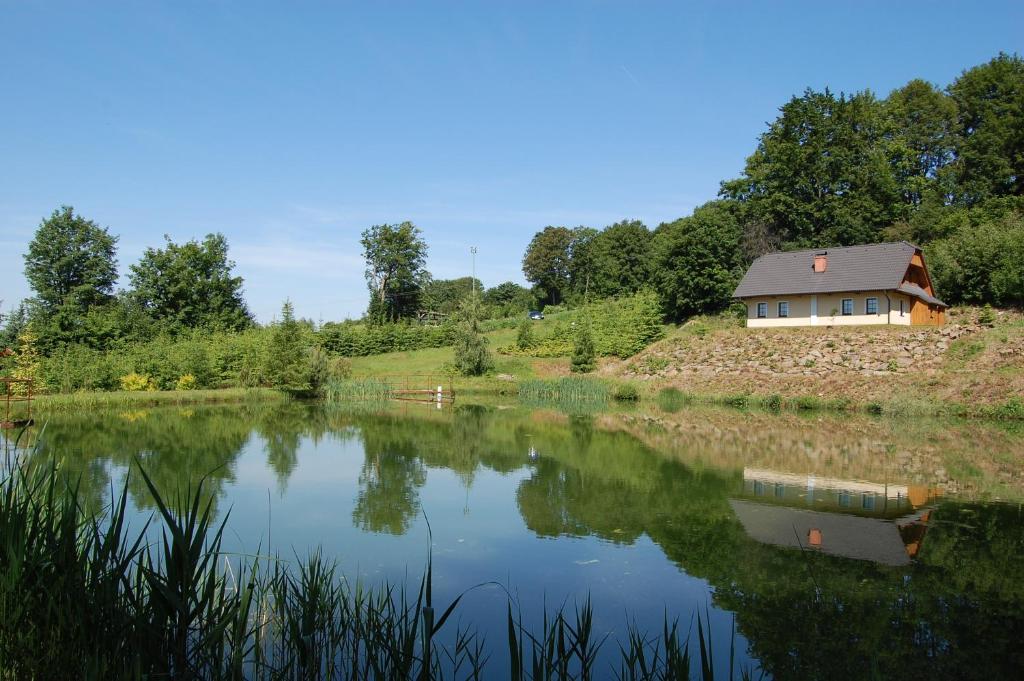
834, 547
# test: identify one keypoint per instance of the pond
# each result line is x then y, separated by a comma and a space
819, 547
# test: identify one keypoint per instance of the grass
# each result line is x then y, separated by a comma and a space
102, 400
83, 597
357, 390
565, 389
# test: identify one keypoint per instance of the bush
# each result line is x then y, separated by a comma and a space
134, 382
626, 392
471, 355
583, 353
619, 328
525, 338
186, 382
773, 402
987, 317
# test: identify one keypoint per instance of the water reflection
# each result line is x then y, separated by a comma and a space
853, 555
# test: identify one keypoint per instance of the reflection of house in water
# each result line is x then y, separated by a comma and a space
883, 523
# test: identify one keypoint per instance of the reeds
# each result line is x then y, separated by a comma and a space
83, 597
108, 400
565, 389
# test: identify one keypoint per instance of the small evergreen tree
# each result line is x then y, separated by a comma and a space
26, 363
525, 338
287, 361
472, 358
583, 352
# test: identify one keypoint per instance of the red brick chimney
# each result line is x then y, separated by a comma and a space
820, 262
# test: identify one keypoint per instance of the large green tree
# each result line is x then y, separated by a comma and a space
990, 141
190, 285
547, 262
921, 122
71, 262
621, 256
698, 260
819, 175
71, 267
445, 295
396, 257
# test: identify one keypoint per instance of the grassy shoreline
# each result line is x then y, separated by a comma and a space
101, 400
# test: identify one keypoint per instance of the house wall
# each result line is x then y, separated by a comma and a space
818, 310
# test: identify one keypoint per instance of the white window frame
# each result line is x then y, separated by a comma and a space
757, 310
867, 305
778, 309
842, 307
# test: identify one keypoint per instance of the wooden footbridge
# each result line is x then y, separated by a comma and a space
420, 387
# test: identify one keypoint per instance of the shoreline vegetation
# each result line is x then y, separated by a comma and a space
84, 595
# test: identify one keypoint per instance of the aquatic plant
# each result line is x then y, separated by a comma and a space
81, 596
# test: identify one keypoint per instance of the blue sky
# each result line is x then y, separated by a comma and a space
291, 127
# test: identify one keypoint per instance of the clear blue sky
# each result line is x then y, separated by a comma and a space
291, 127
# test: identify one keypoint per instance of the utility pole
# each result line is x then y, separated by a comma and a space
472, 250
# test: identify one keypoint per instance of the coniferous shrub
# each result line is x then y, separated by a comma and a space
472, 358
525, 338
583, 355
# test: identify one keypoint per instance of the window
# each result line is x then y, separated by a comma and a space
867, 502
847, 306
762, 310
901, 308
783, 309
871, 306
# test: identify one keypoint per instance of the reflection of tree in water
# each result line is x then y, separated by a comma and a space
282, 430
388, 498
176, 447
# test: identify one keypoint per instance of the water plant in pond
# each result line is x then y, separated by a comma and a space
81, 597
357, 390
565, 389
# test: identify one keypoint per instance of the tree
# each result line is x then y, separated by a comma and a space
819, 175
71, 263
547, 262
190, 285
982, 262
445, 295
472, 358
287, 362
396, 257
509, 299
921, 123
698, 260
525, 338
583, 353
621, 254
990, 141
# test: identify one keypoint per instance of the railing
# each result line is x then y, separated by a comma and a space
16, 391
420, 387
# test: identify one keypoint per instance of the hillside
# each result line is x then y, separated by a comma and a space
964, 361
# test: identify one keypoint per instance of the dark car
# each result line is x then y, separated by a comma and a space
536, 314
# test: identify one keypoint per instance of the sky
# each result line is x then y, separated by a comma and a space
291, 127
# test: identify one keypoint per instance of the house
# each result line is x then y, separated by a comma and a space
870, 284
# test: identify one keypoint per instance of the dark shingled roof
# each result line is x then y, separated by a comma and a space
871, 267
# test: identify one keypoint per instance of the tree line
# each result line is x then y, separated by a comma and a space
940, 167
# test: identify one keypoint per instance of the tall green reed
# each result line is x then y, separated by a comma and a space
87, 596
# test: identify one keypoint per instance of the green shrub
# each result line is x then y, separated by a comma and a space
582, 361
987, 316
874, 408
185, 382
524, 337
626, 392
134, 382
773, 402
471, 356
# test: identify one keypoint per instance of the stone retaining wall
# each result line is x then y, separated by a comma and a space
798, 352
